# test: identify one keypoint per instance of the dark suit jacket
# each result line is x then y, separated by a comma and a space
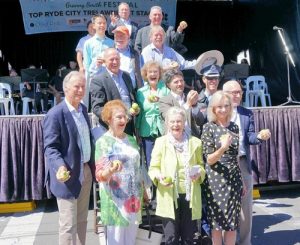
248, 130
134, 30
172, 39
61, 145
104, 89
194, 116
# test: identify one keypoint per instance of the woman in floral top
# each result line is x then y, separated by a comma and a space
118, 171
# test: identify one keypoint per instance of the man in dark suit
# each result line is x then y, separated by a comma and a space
173, 38
175, 82
243, 117
69, 162
124, 20
111, 84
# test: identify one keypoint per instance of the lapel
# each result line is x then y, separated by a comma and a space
112, 87
192, 148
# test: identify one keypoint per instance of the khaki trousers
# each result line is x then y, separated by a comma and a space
73, 213
245, 228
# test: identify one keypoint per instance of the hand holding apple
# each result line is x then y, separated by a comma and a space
135, 109
264, 134
63, 174
116, 166
153, 98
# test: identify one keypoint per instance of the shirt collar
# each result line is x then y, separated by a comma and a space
72, 108
100, 38
178, 97
126, 21
113, 74
155, 48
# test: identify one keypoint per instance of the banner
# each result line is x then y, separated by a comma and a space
72, 15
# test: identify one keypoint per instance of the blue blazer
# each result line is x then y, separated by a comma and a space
61, 146
248, 130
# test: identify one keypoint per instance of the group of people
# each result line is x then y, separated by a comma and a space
196, 145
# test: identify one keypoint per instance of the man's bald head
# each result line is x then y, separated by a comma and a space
235, 90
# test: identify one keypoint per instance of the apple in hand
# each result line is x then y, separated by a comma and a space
116, 164
135, 109
152, 98
135, 106
63, 175
168, 180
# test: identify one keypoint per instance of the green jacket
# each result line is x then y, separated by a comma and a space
164, 162
149, 122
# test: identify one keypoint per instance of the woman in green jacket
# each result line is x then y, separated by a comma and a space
149, 122
177, 170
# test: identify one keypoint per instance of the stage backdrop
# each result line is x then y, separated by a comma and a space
72, 15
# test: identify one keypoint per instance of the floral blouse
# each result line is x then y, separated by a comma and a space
121, 195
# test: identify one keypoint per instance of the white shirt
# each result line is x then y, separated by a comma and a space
237, 120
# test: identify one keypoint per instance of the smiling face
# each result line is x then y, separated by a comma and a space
118, 121
234, 90
175, 125
211, 84
112, 60
177, 85
153, 75
75, 90
100, 25
124, 11
121, 40
222, 110
156, 17
158, 37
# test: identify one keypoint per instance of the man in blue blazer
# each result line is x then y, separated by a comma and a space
243, 117
69, 162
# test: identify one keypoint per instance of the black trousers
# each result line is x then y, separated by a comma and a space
183, 227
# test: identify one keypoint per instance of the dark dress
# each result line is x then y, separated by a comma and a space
223, 184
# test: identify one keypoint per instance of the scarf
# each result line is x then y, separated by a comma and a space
183, 148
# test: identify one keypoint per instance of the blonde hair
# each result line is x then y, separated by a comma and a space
215, 100
147, 66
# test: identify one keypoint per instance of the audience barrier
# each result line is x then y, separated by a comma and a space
22, 169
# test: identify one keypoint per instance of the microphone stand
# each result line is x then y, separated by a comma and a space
288, 57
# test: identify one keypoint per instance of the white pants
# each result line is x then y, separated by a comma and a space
245, 228
121, 235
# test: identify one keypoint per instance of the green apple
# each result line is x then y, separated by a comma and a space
132, 111
63, 175
168, 180
152, 98
135, 106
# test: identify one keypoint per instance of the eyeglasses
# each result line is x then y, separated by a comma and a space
235, 93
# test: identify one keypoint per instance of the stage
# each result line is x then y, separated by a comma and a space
22, 169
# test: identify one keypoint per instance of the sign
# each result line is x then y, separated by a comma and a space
41, 16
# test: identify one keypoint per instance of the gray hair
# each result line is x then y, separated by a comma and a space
156, 7
156, 28
123, 3
71, 77
215, 100
170, 74
175, 110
